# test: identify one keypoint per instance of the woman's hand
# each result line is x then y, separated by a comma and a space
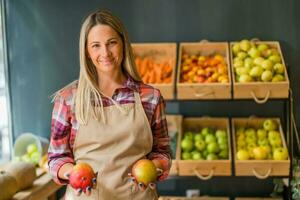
82, 178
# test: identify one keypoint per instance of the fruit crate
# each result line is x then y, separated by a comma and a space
159, 54
261, 169
174, 128
205, 90
204, 169
260, 91
257, 198
191, 198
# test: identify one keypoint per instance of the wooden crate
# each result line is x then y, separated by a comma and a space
203, 90
256, 198
260, 168
160, 52
192, 198
261, 91
204, 169
174, 125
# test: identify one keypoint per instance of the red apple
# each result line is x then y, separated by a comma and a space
82, 176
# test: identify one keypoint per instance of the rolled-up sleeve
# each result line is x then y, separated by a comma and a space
161, 140
59, 152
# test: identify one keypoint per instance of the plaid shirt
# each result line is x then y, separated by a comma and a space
64, 125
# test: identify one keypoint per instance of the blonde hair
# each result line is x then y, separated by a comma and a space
87, 91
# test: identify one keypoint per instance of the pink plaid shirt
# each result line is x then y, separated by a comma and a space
64, 125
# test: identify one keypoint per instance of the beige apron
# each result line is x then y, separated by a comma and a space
111, 146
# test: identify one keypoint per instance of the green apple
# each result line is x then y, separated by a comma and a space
259, 153
278, 78
238, 63
242, 155
256, 71
221, 133
205, 131
263, 142
242, 70
280, 154
223, 154
212, 147
187, 144
35, 157
223, 146
261, 133
188, 135
258, 61
251, 146
204, 153
275, 58
270, 125
210, 138
198, 136
262, 47
244, 78
266, 76
197, 156
250, 132
222, 140
279, 68
186, 156
211, 156
248, 63
275, 142
267, 65
253, 52
236, 48
242, 55
245, 45
200, 144
31, 148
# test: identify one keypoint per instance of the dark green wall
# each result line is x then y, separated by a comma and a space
43, 48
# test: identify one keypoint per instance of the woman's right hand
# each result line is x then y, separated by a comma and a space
81, 177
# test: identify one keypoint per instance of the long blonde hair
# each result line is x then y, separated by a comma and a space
88, 80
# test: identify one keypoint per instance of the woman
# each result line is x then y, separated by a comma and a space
109, 118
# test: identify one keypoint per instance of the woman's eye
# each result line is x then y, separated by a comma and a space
95, 45
112, 42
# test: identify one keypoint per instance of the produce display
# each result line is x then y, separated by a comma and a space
205, 145
264, 143
152, 71
254, 62
203, 69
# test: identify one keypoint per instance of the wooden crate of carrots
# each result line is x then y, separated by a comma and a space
203, 71
156, 64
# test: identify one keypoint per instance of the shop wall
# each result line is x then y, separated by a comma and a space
43, 46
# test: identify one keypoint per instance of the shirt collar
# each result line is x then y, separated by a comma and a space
131, 83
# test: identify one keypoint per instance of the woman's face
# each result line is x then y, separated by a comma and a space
105, 48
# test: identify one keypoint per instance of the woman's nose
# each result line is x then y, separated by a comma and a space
105, 51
